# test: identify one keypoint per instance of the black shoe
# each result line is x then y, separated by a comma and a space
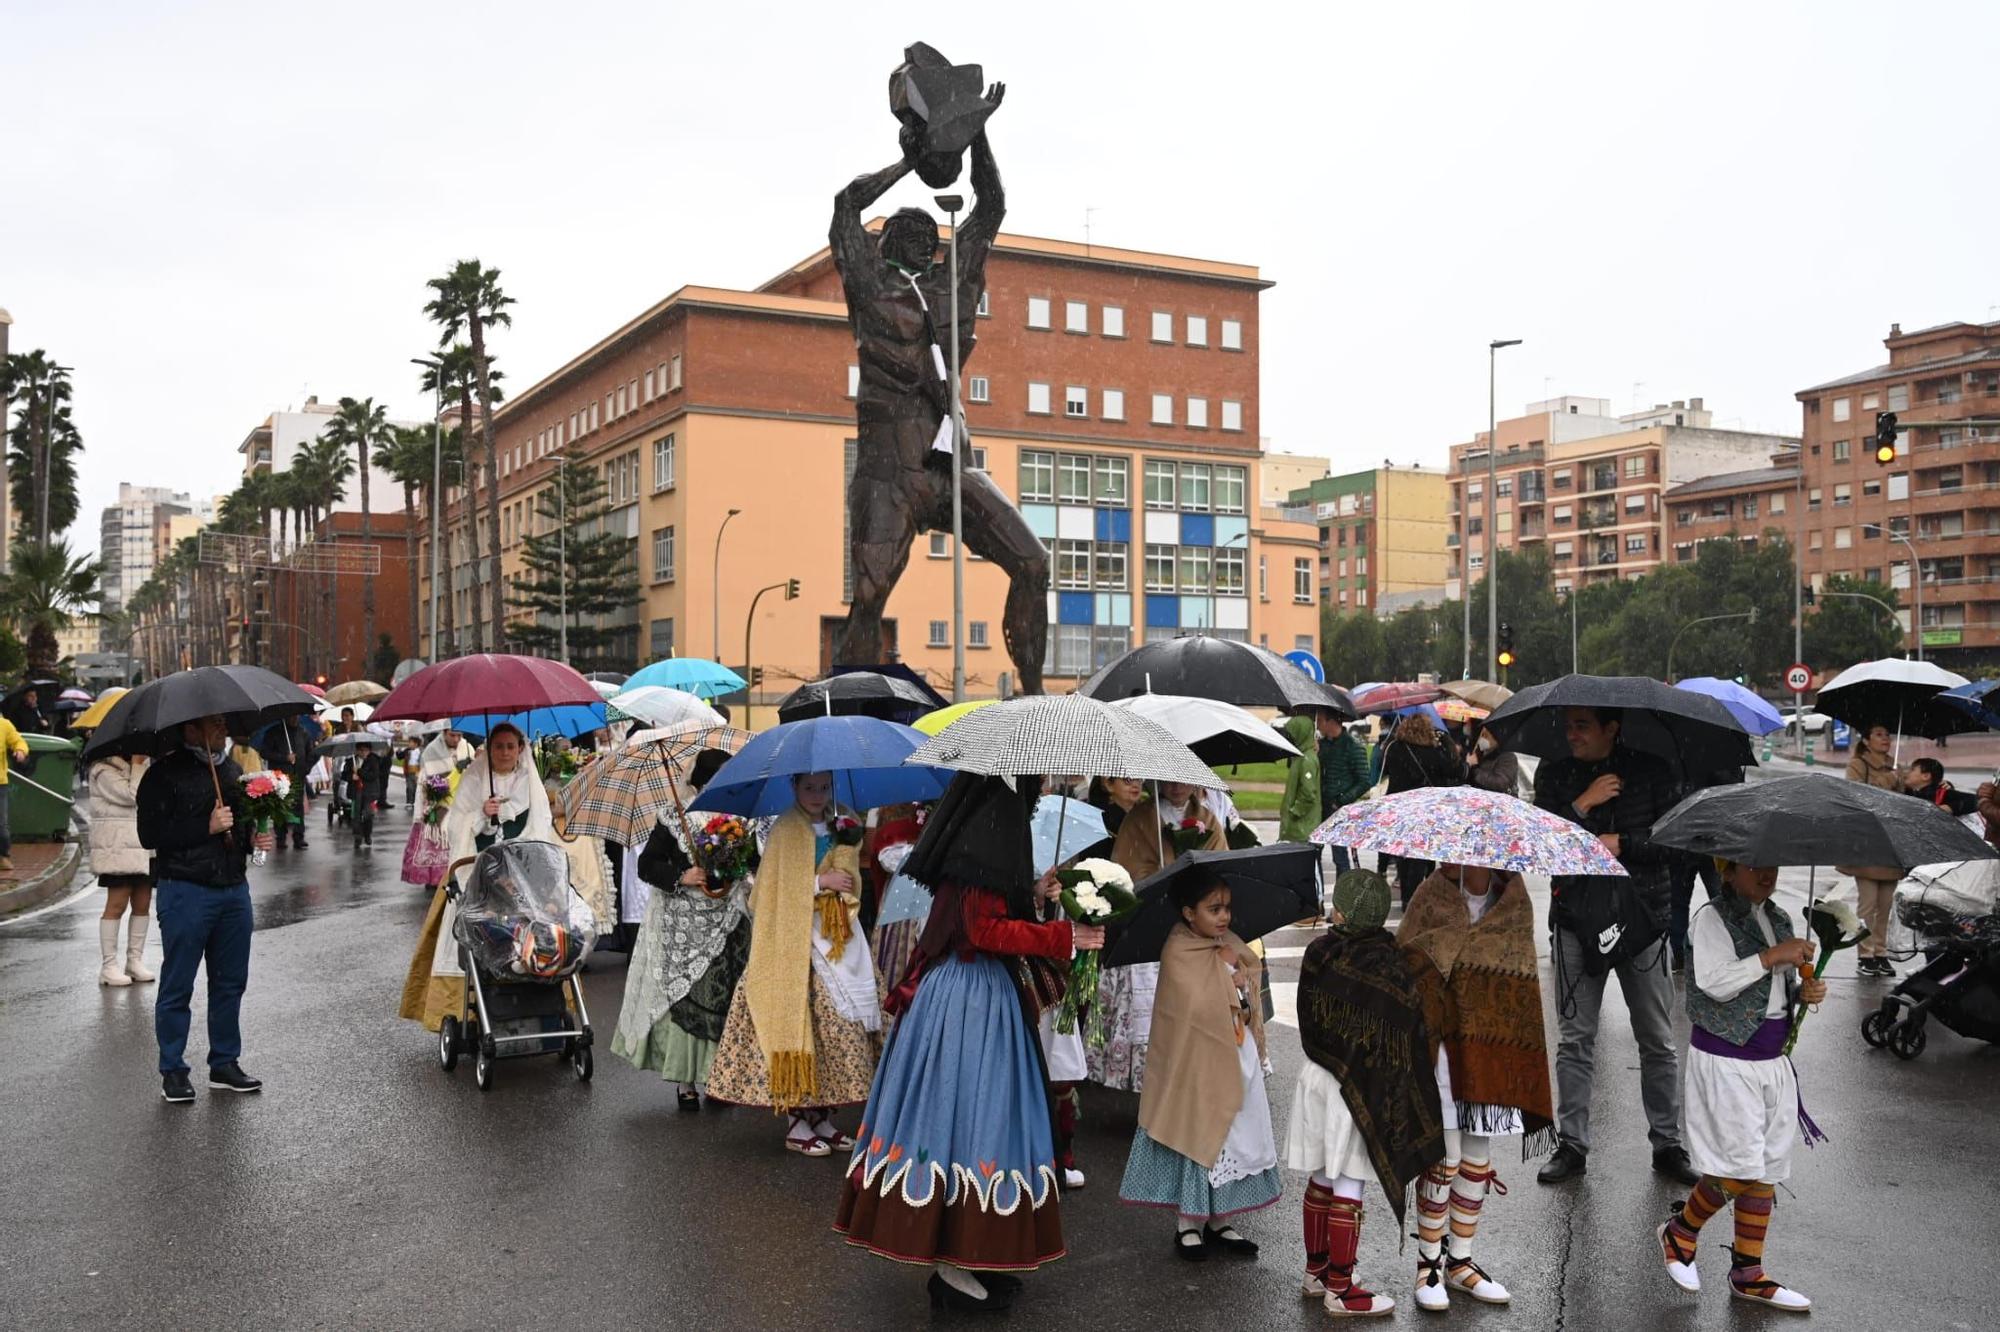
1568, 1162
231, 1077
1674, 1164
1227, 1240
689, 1101
944, 1295
175, 1089
1196, 1252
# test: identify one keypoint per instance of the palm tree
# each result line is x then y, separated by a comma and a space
410, 461
469, 299
326, 466
42, 460
365, 428
456, 377
45, 586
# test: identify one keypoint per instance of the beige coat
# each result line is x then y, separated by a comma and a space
114, 819
1864, 765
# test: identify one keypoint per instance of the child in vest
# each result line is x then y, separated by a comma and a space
1742, 1103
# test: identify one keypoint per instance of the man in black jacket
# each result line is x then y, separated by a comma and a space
365, 777
1617, 793
192, 818
288, 748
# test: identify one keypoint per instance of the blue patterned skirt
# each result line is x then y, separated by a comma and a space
1157, 1176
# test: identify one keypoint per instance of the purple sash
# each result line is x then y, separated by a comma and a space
1768, 1043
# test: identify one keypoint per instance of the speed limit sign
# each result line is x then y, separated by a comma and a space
1798, 678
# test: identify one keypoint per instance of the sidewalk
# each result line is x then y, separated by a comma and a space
43, 871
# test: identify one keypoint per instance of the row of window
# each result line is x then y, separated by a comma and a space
1199, 569
1228, 415
1111, 323
621, 401
1084, 478
976, 635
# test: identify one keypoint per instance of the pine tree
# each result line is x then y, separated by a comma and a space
573, 564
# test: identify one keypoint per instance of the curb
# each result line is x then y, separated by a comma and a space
50, 884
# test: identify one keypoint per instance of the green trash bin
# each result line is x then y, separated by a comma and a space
42, 815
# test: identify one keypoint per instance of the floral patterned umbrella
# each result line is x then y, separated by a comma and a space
1463, 825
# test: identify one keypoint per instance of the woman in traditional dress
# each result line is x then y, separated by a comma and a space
443, 757
956, 1163
500, 798
805, 1022
1470, 936
690, 954
1148, 840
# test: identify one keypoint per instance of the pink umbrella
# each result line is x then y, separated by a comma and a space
487, 683
312, 689
1464, 825
1391, 697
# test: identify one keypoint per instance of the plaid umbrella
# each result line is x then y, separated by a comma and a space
1064, 734
1463, 825
619, 795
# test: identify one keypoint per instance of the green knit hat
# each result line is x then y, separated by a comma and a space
1362, 898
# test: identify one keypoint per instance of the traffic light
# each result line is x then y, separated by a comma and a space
1506, 657
792, 590
320, 680
756, 677
1885, 438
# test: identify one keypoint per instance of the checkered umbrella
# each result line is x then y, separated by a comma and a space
620, 794
1063, 734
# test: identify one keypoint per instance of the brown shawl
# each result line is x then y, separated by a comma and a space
1194, 1082
1483, 998
1142, 836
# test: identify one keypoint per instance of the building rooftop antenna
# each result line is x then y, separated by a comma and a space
1086, 229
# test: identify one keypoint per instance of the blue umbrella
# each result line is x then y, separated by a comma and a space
1751, 712
690, 675
569, 720
864, 754
1063, 827
1975, 701
903, 899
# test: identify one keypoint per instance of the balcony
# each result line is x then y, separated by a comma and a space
1451, 541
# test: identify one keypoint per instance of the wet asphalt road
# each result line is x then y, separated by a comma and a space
368, 1189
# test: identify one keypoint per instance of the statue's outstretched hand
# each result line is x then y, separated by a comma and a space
996, 94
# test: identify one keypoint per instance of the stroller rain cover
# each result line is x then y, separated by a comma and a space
518, 916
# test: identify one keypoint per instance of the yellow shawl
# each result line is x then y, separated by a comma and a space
777, 983
1194, 1082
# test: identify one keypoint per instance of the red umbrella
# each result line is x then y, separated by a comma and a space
490, 683
1390, 697
312, 689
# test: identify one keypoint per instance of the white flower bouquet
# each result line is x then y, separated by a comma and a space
1094, 892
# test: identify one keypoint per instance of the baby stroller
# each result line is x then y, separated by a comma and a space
1953, 916
522, 934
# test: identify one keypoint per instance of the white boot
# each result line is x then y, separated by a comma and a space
135, 949
107, 945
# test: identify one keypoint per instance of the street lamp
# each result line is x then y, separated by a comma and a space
1916, 581
437, 483
1492, 505
951, 203
715, 597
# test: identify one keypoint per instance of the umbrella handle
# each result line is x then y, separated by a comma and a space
1061, 818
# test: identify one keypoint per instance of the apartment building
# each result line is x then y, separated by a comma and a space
1382, 536
1746, 505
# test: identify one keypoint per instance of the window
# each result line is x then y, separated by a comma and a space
1229, 566
1812, 500
940, 545
1159, 568
940, 633
1108, 567
1197, 330
1161, 485
673, 373
1232, 335
1038, 399
975, 634
595, 419
1195, 497
1114, 482
1635, 544
1503, 488
1843, 495
1196, 562
649, 386
981, 390
1843, 538
1038, 312
853, 381
985, 304
1869, 402
1197, 413
1073, 479
1163, 326
1841, 409
1749, 506
1474, 526
660, 637
1076, 317
1899, 486
1230, 487
1072, 564
1232, 415
1843, 449
621, 479
1163, 409
1813, 539
663, 555
1038, 476
1868, 489
1635, 504
1111, 321
663, 463
1899, 397
1111, 404
1635, 465
1302, 581
1777, 504
1475, 490
1076, 401
1263, 579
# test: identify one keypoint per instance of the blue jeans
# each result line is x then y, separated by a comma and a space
197, 922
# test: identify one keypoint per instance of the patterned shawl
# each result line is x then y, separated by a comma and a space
694, 929
1483, 998
1361, 1019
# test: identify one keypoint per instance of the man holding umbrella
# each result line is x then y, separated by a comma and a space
192, 817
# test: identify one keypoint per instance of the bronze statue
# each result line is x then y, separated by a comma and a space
898, 301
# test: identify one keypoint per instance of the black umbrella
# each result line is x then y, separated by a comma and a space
1692, 732
148, 720
1901, 695
857, 694
1218, 668
1818, 819
1270, 887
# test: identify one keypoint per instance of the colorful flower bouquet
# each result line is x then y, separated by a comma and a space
437, 798
1190, 834
1837, 927
845, 829
1094, 892
725, 849
267, 798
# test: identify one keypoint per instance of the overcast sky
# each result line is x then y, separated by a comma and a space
212, 210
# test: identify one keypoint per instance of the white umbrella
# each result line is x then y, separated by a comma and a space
659, 706
362, 711
1066, 733
1217, 732
1895, 693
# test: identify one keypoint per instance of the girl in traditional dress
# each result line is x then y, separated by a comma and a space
1366, 1103
956, 1162
1204, 1145
804, 1024
1742, 1102
1147, 841
443, 757
689, 957
1470, 936
500, 799
888, 845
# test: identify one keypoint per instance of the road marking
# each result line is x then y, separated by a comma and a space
1280, 954
1285, 1003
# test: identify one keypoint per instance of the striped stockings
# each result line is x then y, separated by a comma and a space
1753, 1200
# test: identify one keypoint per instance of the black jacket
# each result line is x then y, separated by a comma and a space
1947, 797
1409, 766
287, 748
175, 798
662, 862
1650, 791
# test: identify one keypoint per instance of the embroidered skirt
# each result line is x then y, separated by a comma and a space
843, 1055
1125, 997
955, 1160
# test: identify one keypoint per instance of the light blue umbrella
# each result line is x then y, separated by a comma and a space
1750, 710
864, 754
569, 720
903, 899
1061, 827
690, 675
